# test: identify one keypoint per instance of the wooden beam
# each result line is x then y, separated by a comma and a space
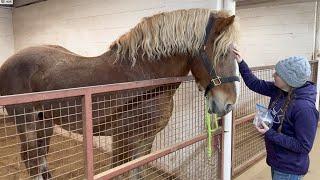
256, 3
21, 3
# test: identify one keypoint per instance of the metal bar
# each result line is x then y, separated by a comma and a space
316, 55
244, 119
313, 61
150, 157
233, 156
262, 68
222, 152
271, 66
88, 134
72, 92
316, 50
218, 146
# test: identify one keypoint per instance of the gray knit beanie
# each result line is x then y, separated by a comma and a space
295, 71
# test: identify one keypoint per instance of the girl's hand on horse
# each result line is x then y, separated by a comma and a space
263, 128
238, 55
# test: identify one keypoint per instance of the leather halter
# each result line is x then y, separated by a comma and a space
215, 79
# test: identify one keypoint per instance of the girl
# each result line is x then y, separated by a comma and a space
292, 104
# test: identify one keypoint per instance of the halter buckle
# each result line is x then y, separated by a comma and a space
216, 81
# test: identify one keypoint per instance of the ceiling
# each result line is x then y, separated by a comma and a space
239, 3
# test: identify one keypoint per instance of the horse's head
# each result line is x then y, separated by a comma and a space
203, 38
215, 68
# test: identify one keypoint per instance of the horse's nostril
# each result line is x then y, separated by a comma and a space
40, 115
228, 107
213, 105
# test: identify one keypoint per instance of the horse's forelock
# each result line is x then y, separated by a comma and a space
228, 37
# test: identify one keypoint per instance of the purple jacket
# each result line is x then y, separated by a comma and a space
287, 151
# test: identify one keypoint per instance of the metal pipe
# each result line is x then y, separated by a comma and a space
316, 55
317, 32
229, 5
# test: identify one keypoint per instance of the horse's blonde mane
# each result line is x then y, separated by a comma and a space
169, 33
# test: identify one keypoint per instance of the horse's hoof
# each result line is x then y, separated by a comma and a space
46, 175
39, 177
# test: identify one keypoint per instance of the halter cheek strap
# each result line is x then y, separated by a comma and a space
215, 79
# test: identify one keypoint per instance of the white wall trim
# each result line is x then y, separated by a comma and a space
317, 50
243, 4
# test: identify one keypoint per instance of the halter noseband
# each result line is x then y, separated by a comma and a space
215, 79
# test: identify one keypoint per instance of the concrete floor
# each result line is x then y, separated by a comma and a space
261, 170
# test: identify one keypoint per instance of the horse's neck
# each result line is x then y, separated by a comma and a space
166, 67
152, 69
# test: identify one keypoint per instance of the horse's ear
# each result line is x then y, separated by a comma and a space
224, 23
113, 46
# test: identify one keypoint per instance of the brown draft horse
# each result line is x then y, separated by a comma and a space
168, 44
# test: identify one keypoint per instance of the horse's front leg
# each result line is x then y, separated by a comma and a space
134, 131
121, 152
159, 113
44, 133
142, 148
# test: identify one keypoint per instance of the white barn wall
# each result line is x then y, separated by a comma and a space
6, 34
86, 27
269, 33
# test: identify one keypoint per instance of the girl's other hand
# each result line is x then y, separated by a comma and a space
263, 128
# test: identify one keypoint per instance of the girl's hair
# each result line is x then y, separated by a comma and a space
284, 107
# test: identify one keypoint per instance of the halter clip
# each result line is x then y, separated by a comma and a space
216, 81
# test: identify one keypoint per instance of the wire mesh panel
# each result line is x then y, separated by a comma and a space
31, 144
248, 144
194, 156
247, 100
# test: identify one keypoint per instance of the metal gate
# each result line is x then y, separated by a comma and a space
115, 140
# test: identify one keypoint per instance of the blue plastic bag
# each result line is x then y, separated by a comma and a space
263, 114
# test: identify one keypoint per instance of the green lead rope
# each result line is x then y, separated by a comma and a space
210, 130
